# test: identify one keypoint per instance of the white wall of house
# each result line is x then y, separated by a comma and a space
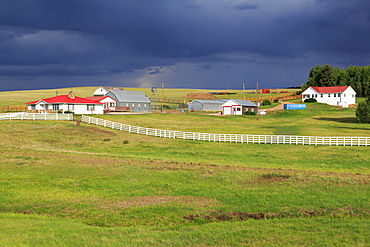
109, 103
76, 108
347, 97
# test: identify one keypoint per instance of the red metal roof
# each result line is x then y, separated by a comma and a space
65, 99
336, 89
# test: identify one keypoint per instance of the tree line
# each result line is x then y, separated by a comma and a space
327, 76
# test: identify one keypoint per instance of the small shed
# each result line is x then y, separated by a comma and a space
238, 107
137, 101
206, 105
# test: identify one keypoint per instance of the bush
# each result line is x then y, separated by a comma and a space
68, 112
250, 113
363, 111
276, 101
266, 102
310, 100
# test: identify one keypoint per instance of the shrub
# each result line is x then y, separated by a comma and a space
266, 102
68, 112
125, 142
276, 101
250, 113
363, 111
310, 100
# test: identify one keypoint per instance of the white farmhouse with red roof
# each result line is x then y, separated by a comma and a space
64, 103
337, 96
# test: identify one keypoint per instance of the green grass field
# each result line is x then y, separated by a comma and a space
68, 185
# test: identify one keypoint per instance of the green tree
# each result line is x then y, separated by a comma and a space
363, 111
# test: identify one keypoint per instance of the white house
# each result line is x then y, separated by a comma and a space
238, 107
336, 96
102, 91
110, 104
64, 103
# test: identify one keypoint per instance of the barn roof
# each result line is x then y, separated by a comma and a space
65, 99
244, 102
129, 96
336, 89
208, 101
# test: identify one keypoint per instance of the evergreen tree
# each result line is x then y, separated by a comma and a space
363, 111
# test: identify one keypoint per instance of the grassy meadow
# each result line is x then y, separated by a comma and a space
68, 185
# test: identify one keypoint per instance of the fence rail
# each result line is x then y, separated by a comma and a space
234, 138
13, 108
35, 116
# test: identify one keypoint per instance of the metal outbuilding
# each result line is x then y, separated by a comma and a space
206, 105
137, 101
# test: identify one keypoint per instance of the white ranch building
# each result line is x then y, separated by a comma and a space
102, 91
238, 107
110, 104
337, 96
64, 103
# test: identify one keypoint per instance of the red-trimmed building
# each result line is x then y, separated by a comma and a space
63, 103
343, 96
110, 104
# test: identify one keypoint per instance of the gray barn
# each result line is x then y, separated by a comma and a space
206, 105
135, 100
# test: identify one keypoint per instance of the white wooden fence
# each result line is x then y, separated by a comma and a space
235, 138
35, 116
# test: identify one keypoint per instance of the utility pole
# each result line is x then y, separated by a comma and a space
243, 92
162, 96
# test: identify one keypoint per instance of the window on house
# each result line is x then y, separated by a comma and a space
55, 107
344, 95
353, 95
71, 106
339, 94
238, 109
144, 105
139, 105
133, 105
322, 95
90, 107
329, 95
335, 95
33, 107
315, 95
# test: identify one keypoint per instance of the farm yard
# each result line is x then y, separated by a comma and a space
68, 185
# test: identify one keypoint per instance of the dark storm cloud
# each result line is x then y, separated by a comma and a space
115, 40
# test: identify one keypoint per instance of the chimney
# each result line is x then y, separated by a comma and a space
71, 95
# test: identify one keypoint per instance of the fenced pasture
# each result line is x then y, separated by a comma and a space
64, 184
234, 138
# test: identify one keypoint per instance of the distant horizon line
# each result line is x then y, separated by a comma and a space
31, 89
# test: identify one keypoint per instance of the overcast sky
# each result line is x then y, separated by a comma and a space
215, 44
